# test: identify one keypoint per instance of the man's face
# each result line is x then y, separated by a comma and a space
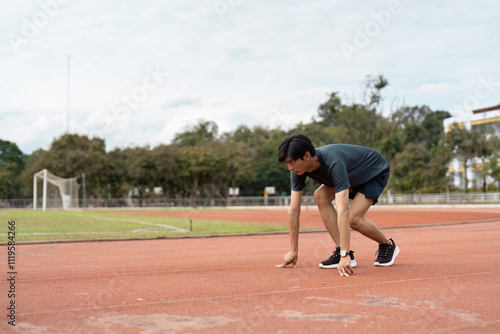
299, 166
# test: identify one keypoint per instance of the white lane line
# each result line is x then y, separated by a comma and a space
168, 227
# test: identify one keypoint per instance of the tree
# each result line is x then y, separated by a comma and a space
417, 168
329, 109
269, 171
373, 89
394, 140
197, 158
116, 173
11, 165
494, 164
436, 169
167, 169
486, 147
355, 123
203, 132
236, 167
260, 159
416, 128
10, 153
433, 125
140, 170
420, 124
407, 168
196, 167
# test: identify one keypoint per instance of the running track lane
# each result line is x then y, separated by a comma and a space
445, 280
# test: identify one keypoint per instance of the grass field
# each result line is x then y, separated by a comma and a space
90, 225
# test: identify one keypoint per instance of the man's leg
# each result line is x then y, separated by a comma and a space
324, 196
358, 208
387, 249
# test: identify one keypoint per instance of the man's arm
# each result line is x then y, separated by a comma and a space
342, 204
293, 229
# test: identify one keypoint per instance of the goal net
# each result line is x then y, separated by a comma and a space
51, 191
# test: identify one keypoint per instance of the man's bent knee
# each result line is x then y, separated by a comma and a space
355, 222
322, 195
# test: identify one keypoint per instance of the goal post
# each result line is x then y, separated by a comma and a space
57, 192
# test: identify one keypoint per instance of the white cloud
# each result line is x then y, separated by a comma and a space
433, 88
37, 132
265, 63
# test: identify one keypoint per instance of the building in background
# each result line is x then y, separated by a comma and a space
486, 120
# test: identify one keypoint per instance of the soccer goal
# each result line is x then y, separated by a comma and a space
56, 192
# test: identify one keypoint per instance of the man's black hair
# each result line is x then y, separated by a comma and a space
295, 147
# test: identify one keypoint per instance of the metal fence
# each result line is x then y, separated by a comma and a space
442, 198
256, 201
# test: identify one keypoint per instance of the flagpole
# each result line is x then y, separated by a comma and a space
68, 97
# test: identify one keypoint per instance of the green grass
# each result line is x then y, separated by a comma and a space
72, 225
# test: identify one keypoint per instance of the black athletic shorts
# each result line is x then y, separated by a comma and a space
373, 188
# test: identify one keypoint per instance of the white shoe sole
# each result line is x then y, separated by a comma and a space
335, 266
388, 264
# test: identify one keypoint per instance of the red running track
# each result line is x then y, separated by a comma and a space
445, 280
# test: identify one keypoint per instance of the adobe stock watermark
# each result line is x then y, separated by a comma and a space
255, 319
126, 102
483, 91
225, 6
363, 37
32, 26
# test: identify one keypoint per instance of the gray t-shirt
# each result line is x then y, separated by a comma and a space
343, 166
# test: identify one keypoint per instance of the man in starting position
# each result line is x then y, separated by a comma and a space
345, 172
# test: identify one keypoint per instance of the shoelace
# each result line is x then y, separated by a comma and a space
383, 250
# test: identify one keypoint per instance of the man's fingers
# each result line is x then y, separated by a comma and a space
345, 271
283, 264
286, 263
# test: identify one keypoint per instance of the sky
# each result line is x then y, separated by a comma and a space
142, 71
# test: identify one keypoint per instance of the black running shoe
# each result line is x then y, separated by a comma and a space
333, 261
386, 254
